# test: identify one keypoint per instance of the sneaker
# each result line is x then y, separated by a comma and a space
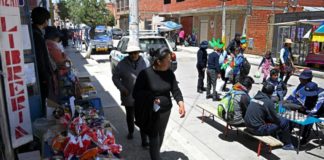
209, 96
216, 98
288, 147
130, 136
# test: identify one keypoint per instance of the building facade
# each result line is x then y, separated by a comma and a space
204, 17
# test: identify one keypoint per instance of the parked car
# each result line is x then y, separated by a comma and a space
145, 43
117, 33
99, 40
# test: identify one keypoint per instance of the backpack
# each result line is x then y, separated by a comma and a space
245, 67
226, 107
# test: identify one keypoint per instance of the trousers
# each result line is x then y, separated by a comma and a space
201, 77
156, 138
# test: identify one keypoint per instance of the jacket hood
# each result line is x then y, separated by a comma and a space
260, 95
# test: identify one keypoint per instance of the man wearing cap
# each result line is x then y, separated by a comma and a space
235, 43
286, 63
124, 78
311, 93
296, 98
201, 65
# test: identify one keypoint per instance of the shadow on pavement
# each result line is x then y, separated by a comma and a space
132, 149
247, 141
173, 155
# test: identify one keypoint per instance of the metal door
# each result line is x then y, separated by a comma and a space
203, 30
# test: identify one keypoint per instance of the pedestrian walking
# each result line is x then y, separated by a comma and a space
124, 78
286, 63
213, 72
153, 100
266, 64
201, 65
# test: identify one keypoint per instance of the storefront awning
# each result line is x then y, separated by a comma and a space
302, 21
318, 35
172, 25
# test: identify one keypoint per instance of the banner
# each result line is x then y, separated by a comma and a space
12, 59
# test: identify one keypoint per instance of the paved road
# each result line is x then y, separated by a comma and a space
186, 138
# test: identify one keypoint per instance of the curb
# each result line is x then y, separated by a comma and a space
317, 74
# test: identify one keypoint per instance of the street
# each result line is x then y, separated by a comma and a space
185, 138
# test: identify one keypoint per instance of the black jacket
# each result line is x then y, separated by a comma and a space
150, 85
213, 62
232, 45
261, 111
201, 58
42, 57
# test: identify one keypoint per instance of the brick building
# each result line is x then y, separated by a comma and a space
204, 17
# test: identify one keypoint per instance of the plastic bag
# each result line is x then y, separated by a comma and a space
257, 77
257, 74
220, 85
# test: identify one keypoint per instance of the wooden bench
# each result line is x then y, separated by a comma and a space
267, 140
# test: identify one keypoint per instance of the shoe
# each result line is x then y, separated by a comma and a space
203, 89
130, 136
199, 91
209, 96
288, 147
145, 145
216, 98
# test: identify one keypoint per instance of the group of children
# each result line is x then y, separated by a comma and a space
219, 65
259, 113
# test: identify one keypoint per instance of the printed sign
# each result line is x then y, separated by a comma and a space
12, 59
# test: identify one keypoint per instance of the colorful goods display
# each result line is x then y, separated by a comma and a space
88, 136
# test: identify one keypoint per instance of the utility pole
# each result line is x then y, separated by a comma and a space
133, 23
248, 13
224, 21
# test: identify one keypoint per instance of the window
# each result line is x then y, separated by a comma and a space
180, 0
167, 1
146, 43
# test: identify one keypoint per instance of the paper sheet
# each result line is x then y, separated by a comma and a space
30, 76
25, 37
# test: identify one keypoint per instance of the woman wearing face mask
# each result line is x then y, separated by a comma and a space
153, 100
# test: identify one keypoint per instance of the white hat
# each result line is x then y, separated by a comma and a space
287, 40
133, 49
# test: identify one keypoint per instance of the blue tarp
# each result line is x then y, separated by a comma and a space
172, 25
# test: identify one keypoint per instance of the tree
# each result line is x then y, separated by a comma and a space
90, 12
63, 10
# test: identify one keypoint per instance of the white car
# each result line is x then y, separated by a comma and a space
145, 42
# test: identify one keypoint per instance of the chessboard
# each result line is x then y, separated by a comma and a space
294, 115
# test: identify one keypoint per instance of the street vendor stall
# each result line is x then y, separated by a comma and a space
316, 56
307, 50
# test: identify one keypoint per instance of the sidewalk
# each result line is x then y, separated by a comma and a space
253, 59
175, 146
